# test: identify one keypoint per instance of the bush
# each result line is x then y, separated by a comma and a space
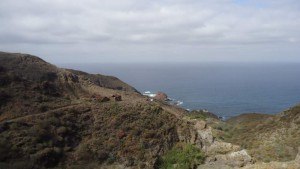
62, 130
4, 149
84, 153
43, 108
48, 157
4, 97
182, 156
49, 76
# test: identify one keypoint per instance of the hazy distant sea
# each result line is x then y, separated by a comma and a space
227, 89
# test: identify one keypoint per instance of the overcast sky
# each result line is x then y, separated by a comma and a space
63, 31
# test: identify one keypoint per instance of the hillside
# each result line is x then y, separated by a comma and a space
267, 137
52, 117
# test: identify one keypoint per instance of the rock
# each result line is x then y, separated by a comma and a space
104, 99
234, 159
221, 148
161, 96
70, 77
117, 97
100, 98
206, 137
200, 125
214, 166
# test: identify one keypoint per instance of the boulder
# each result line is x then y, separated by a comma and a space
104, 99
117, 97
100, 98
205, 136
235, 159
200, 125
221, 148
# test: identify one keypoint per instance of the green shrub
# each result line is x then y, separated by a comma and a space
182, 156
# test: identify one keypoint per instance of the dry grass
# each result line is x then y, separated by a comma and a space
267, 137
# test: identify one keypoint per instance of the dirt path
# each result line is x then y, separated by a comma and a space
38, 114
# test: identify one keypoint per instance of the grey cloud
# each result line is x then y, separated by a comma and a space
141, 29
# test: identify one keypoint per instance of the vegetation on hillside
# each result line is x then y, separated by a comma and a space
267, 137
182, 156
51, 117
59, 118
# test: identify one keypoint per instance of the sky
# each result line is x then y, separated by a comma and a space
101, 31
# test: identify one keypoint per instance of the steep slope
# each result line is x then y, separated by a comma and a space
30, 85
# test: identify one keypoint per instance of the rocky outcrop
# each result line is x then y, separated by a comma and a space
231, 160
222, 153
219, 147
117, 97
100, 98
235, 159
161, 96
219, 154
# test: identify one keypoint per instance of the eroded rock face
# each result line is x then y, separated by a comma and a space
205, 137
70, 77
234, 159
219, 154
200, 125
221, 148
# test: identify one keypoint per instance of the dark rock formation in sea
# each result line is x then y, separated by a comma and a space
161, 96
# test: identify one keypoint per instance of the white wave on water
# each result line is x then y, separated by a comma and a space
179, 103
170, 100
176, 102
149, 94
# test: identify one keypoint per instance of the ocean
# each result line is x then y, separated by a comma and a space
226, 89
